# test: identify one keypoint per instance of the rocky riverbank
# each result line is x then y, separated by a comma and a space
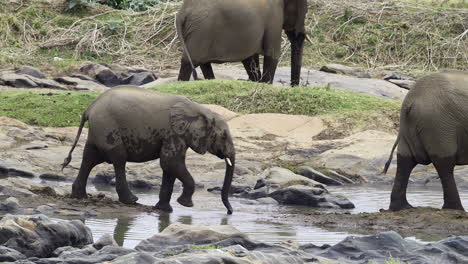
38, 239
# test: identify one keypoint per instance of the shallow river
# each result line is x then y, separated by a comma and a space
255, 220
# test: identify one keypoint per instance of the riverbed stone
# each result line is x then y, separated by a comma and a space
315, 175
345, 70
10, 255
313, 197
31, 71
277, 177
384, 246
38, 236
9, 205
105, 240
181, 234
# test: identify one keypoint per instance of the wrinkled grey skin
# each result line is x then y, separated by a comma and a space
131, 124
216, 31
433, 129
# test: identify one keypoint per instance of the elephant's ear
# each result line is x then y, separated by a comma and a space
180, 118
190, 121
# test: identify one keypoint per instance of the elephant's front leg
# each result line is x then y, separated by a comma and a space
165, 192
174, 165
188, 184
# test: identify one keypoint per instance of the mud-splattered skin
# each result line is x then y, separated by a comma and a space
433, 129
137, 125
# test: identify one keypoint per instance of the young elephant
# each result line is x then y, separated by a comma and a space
239, 30
433, 129
138, 125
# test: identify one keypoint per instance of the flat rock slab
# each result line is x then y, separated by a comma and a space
298, 127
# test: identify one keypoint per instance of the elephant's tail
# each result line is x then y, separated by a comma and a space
387, 164
67, 160
178, 22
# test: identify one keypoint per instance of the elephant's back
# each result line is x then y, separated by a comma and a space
131, 110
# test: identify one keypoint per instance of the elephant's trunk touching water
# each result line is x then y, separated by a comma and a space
230, 163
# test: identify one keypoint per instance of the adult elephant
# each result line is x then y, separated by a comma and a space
433, 129
216, 31
131, 124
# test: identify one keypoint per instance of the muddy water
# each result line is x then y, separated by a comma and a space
254, 219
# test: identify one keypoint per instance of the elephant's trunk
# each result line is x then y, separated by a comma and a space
230, 163
297, 45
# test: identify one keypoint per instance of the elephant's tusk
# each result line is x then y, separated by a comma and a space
229, 162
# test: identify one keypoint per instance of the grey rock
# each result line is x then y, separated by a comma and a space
17, 80
267, 200
255, 194
108, 77
136, 258
341, 177
381, 247
82, 77
345, 70
240, 170
307, 196
259, 184
38, 236
406, 84
53, 177
140, 78
277, 177
142, 184
28, 70
317, 176
82, 85
398, 76
103, 177
57, 252
20, 173
10, 255
105, 240
181, 234
9, 205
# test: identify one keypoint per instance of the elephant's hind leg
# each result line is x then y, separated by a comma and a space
91, 158
269, 69
444, 168
252, 67
185, 70
398, 199
207, 71
165, 192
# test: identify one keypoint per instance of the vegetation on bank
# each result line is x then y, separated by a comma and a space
60, 109
406, 35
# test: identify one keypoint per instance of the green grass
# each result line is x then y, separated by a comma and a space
60, 109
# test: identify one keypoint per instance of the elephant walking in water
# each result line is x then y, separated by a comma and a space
433, 129
216, 31
137, 125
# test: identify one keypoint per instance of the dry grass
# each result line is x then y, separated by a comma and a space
406, 35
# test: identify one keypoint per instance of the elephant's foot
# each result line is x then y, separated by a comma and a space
166, 207
128, 199
397, 206
453, 206
78, 193
187, 202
